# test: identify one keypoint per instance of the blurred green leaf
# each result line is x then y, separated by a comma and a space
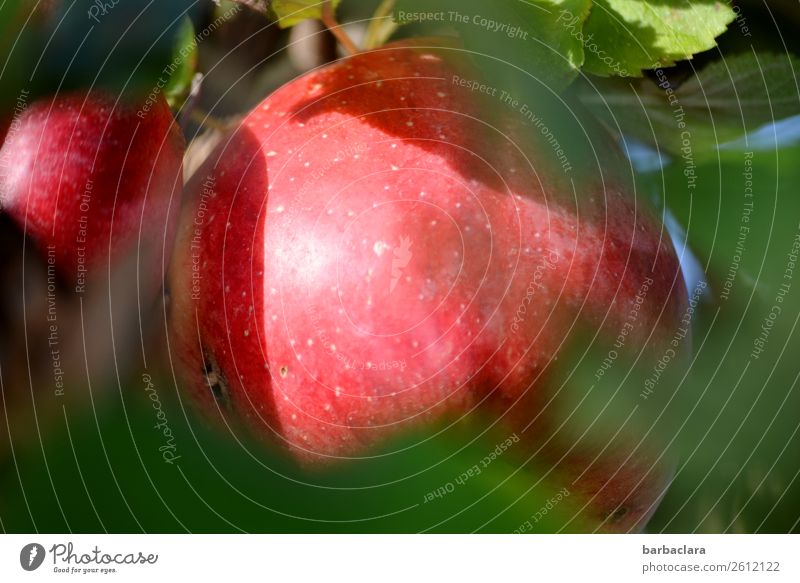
9, 20
12, 36
101, 469
721, 103
733, 418
87, 44
527, 35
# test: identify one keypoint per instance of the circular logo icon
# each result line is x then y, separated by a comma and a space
31, 556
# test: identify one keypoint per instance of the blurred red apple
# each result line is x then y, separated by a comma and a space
379, 247
90, 186
91, 178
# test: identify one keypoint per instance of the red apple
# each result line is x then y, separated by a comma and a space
89, 184
91, 178
379, 247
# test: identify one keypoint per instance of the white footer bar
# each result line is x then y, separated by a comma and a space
399, 558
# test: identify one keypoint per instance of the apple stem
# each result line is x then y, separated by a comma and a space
329, 20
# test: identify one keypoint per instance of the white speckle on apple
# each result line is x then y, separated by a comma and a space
380, 247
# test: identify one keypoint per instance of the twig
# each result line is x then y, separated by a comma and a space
329, 20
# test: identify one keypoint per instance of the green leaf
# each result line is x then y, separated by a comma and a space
223, 485
623, 37
183, 66
758, 88
289, 12
722, 102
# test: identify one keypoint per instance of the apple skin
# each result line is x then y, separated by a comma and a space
92, 177
375, 248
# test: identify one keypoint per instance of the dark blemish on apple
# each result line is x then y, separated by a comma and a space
216, 382
617, 515
284, 371
167, 294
